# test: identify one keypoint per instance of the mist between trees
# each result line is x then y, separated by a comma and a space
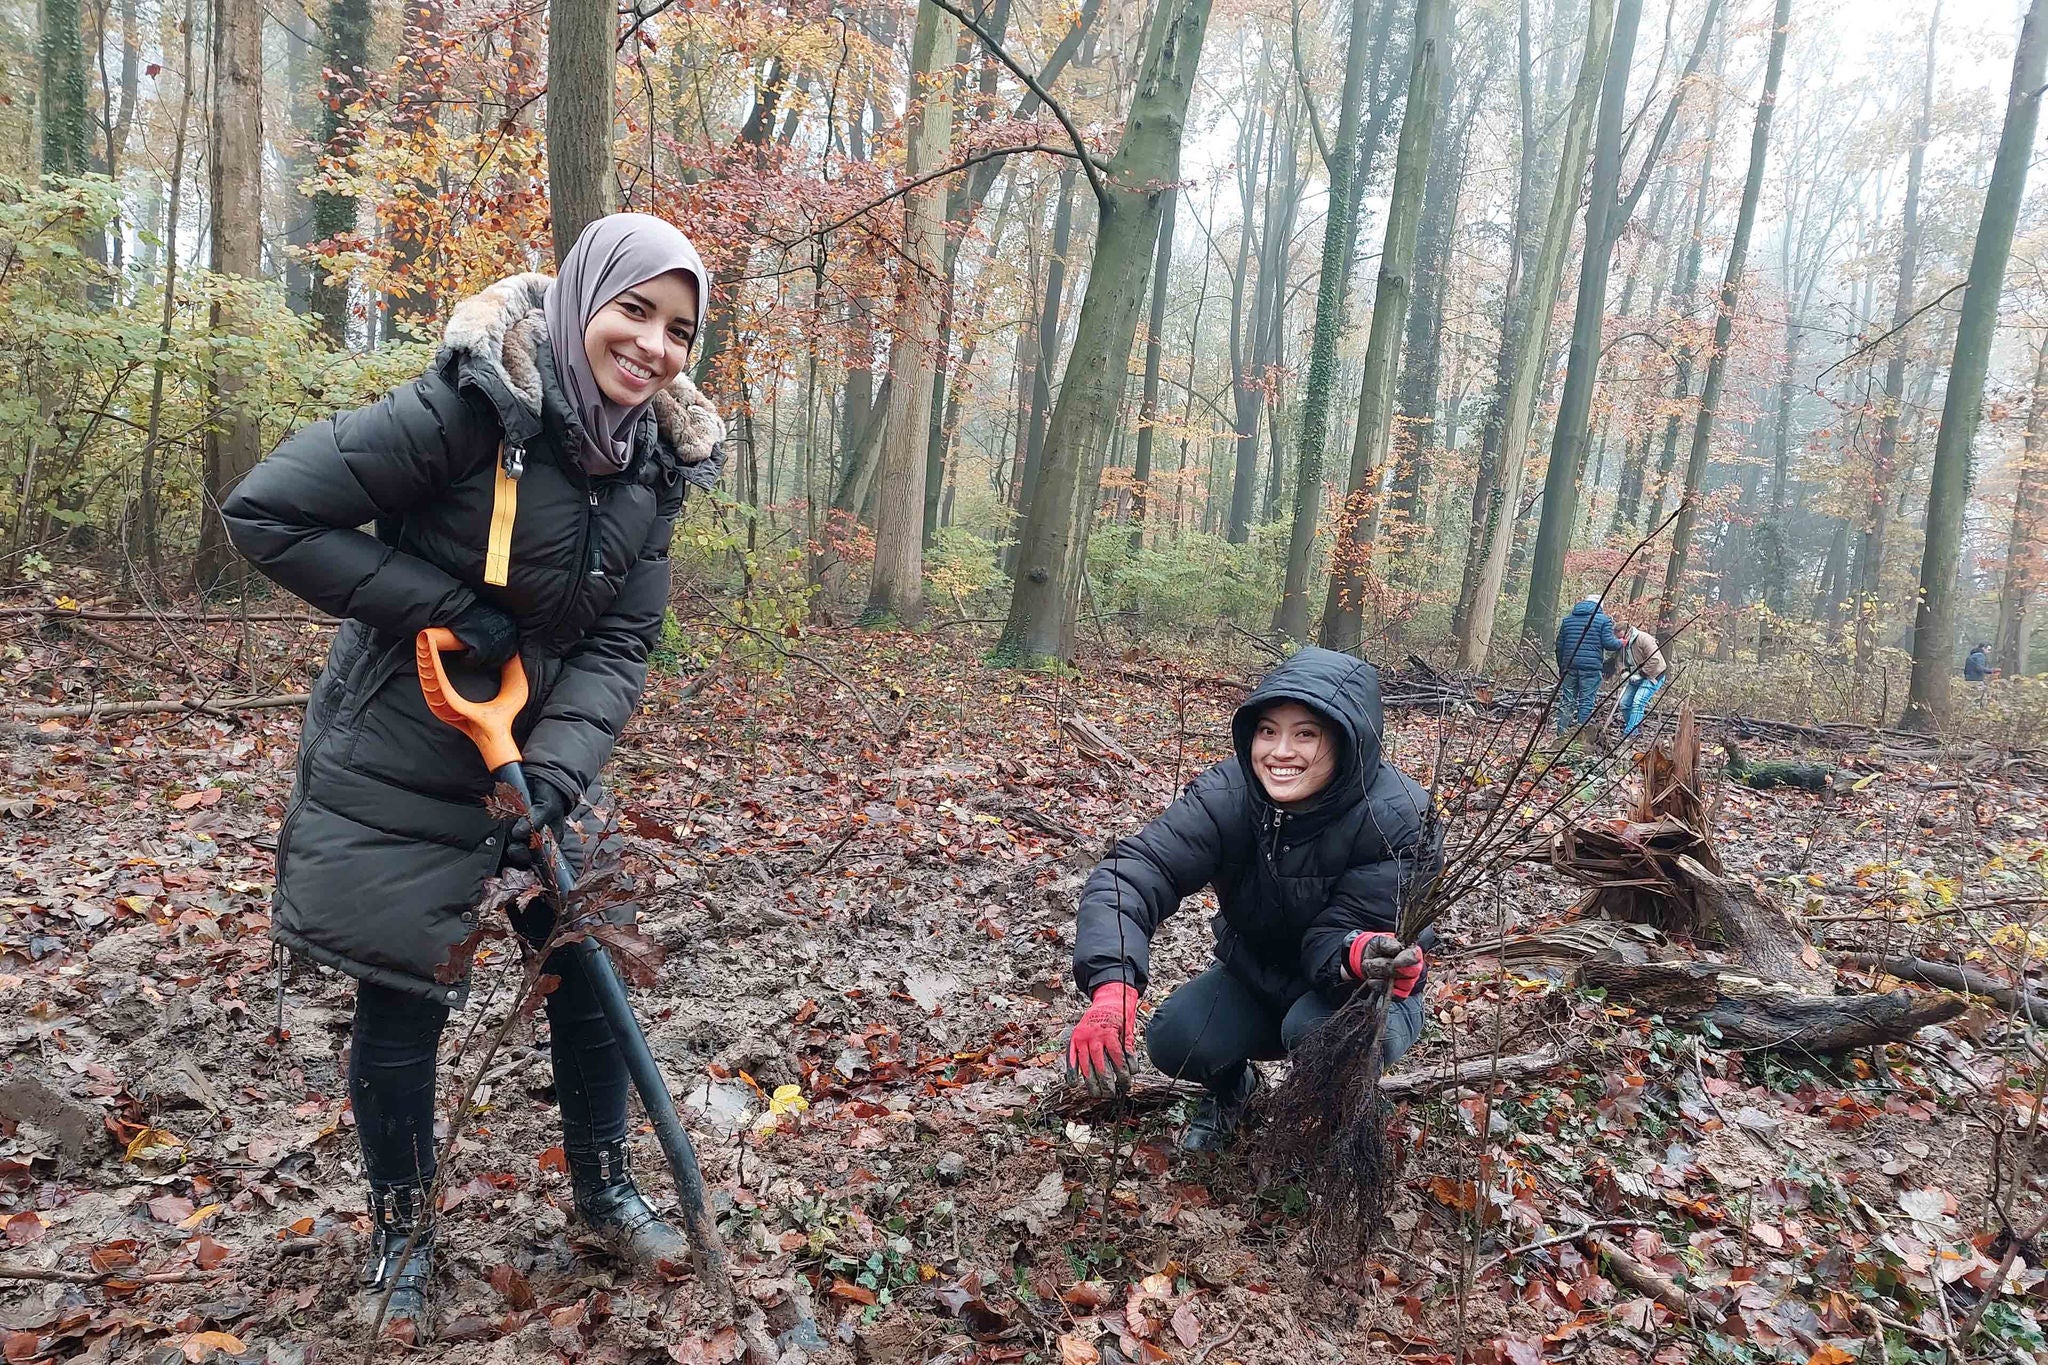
1393, 324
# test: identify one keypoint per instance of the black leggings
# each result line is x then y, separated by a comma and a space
391, 1070
1208, 1029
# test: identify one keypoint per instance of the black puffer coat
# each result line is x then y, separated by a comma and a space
386, 841
1291, 885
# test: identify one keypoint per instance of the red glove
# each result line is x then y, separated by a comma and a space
1099, 1049
1380, 956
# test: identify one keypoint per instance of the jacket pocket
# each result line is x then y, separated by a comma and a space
395, 738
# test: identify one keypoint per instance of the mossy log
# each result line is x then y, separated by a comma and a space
1751, 1012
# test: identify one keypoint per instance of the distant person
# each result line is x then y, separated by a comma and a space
1585, 638
1645, 677
1977, 667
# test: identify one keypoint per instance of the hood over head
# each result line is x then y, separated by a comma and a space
1342, 689
500, 336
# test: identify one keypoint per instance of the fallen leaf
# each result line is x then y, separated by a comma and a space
207, 1254
198, 1216
1829, 1354
201, 1345
512, 1287
170, 1208
1186, 1325
1075, 1351
25, 1227
853, 1293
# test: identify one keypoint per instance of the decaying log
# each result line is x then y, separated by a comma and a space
1750, 1012
1951, 977
1560, 948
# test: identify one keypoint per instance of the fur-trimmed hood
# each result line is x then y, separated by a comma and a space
499, 334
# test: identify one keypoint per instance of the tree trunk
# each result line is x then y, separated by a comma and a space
1681, 369
1244, 392
896, 591
582, 35
1052, 553
1421, 370
1724, 330
1604, 221
1048, 350
1512, 302
1155, 346
1877, 511
1339, 229
340, 133
148, 516
1935, 615
1531, 319
1344, 610
234, 436
64, 90
2024, 548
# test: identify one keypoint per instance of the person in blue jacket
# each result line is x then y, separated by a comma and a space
1584, 638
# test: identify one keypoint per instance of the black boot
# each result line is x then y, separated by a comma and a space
1217, 1116
400, 1212
611, 1205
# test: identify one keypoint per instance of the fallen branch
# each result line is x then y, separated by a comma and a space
1520, 1066
1640, 1277
1513, 1253
221, 709
51, 1275
1954, 978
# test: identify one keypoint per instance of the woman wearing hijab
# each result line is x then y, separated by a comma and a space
523, 492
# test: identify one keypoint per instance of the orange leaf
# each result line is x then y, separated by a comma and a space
843, 1289
208, 1254
1827, 1354
201, 1345
553, 1159
1075, 1351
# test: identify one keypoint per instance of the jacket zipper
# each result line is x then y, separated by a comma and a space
585, 557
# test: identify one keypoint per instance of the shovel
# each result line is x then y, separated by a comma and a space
489, 724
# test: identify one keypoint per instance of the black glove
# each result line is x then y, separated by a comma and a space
548, 811
489, 635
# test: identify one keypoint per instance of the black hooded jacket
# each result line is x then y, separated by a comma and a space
1292, 886
386, 842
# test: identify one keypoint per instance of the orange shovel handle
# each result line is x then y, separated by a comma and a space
487, 723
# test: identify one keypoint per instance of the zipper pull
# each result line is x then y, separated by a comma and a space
592, 492
515, 461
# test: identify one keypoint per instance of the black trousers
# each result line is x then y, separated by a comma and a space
396, 1039
1208, 1029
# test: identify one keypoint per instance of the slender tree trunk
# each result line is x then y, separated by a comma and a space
64, 93
582, 186
1053, 551
2026, 554
340, 133
896, 592
1883, 474
1935, 612
1344, 611
233, 437
1244, 392
1155, 347
1724, 331
1421, 369
1532, 340
1513, 306
1048, 349
1568, 442
149, 517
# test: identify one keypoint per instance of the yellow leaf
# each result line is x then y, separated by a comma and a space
153, 1144
788, 1099
200, 1215
1858, 785
67, 604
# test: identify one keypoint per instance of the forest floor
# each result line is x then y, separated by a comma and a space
863, 871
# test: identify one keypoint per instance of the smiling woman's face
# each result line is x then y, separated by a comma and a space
641, 340
1293, 753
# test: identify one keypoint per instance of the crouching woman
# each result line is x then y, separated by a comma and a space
1311, 844
523, 491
